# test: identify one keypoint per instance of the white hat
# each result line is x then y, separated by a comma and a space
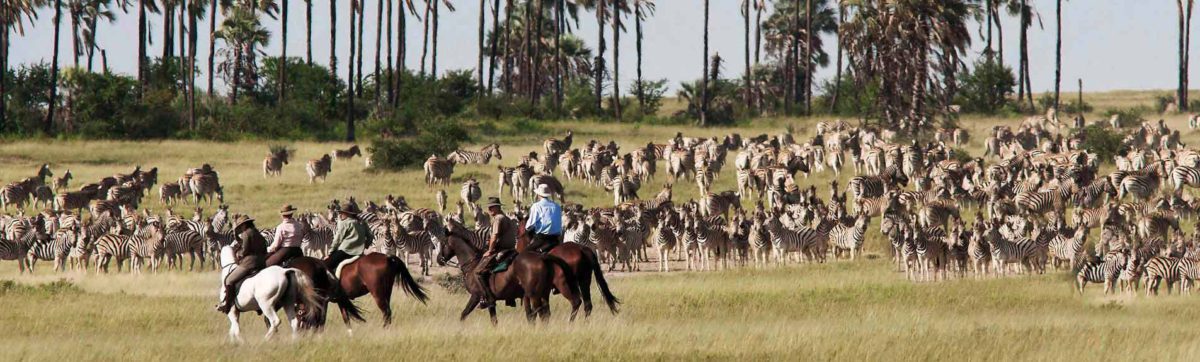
542, 190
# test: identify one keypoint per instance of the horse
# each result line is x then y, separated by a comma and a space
270, 290
584, 264
375, 274
530, 277
328, 289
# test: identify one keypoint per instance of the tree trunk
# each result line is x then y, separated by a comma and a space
808, 56
391, 93
350, 79
837, 78
535, 85
308, 31
757, 53
747, 86
990, 7
425, 46
600, 9
193, 37
616, 59
362, 22
283, 54
999, 33
433, 69
332, 52
3, 77
48, 127
91, 44
527, 52
491, 79
508, 14
401, 52
74, 35
704, 77
559, 24
1021, 54
1058, 54
378, 49
212, 46
482, 26
1025, 53
142, 48
168, 28
641, 87
1187, 57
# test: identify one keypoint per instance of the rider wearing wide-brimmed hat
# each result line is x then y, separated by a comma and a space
254, 256
351, 237
288, 237
545, 221
502, 238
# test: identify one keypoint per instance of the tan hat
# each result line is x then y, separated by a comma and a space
240, 220
351, 210
287, 210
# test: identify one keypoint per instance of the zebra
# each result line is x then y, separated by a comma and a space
1040, 203
713, 239
1185, 175
414, 242
440, 197
55, 249
273, 163
849, 237
60, 183
719, 204
1105, 272
557, 147
665, 237
438, 171
876, 186
109, 248
759, 239
809, 243
1160, 269
146, 244
186, 241
319, 168
1189, 271
481, 157
14, 194
704, 179
1141, 184
319, 237
930, 251
1018, 251
169, 192
43, 196
520, 178
607, 238
1069, 248
206, 186
347, 154
471, 193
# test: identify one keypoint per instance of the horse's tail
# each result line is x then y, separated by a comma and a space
598, 272
406, 281
303, 292
338, 296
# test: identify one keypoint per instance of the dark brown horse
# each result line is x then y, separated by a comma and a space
375, 274
328, 289
530, 277
584, 265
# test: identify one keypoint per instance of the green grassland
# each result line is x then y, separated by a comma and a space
839, 310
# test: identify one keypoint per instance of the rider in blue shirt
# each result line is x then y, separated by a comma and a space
545, 222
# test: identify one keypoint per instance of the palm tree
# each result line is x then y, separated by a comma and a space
641, 9
808, 55
378, 47
1057, 51
704, 77
85, 16
212, 46
242, 32
1026, 13
837, 78
47, 127
1185, 39
746, 75
141, 78
308, 30
616, 29
354, 8
196, 10
13, 14
360, 10
333, 49
495, 42
482, 25
283, 33
599, 82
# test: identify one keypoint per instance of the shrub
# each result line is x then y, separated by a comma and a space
651, 92
987, 87
433, 138
1128, 116
1102, 141
1065, 106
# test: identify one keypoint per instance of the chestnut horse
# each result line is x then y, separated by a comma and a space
530, 277
375, 274
328, 289
584, 265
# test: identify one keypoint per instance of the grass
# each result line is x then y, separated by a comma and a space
841, 310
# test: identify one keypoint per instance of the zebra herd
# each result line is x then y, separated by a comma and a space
318, 168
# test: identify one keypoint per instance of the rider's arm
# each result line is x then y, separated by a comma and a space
496, 225
535, 216
277, 240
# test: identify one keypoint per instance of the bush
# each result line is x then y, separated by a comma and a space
853, 99
433, 138
987, 88
1128, 116
1102, 141
1064, 106
651, 92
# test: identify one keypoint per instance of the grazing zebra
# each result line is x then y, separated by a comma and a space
205, 186
347, 154
438, 171
178, 243
481, 157
319, 168
719, 204
876, 186
1160, 269
849, 237
557, 147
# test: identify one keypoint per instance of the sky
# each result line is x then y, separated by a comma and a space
1110, 44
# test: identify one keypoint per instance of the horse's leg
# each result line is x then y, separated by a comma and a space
472, 302
272, 318
585, 288
290, 311
527, 302
235, 333
492, 314
383, 297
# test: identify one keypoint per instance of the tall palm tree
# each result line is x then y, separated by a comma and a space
837, 78
242, 33
85, 17
283, 55
641, 10
333, 49
482, 25
808, 55
308, 31
391, 91
704, 77
601, 11
746, 76
360, 10
48, 126
491, 78
1185, 39
1057, 51
354, 9
616, 58
212, 46
378, 47
141, 78
196, 10
13, 14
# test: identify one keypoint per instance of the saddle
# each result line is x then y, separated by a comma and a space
503, 260
338, 271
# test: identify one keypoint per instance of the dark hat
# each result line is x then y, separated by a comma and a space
287, 210
493, 201
350, 210
241, 220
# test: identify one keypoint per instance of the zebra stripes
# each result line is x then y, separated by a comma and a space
438, 171
319, 168
481, 157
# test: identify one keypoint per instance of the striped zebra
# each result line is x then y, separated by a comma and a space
319, 168
470, 193
180, 242
1189, 271
607, 238
555, 146
481, 157
1106, 272
569, 164
15, 195
319, 237
1069, 247
720, 204
419, 243
206, 186
713, 239
146, 245
60, 183
704, 179
1037, 204
1158, 270
438, 171
111, 248
1141, 184
665, 237
520, 177
1094, 194
347, 154
759, 239
273, 163
1019, 250
1185, 175
55, 249
849, 238
807, 243
876, 186
169, 193
440, 198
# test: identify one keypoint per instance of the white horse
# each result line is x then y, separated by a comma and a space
270, 290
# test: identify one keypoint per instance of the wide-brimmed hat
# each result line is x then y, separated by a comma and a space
542, 190
287, 210
493, 201
241, 220
349, 210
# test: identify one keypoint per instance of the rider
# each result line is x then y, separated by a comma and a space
288, 236
350, 239
545, 222
503, 238
254, 254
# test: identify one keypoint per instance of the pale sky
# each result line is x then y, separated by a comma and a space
1111, 44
